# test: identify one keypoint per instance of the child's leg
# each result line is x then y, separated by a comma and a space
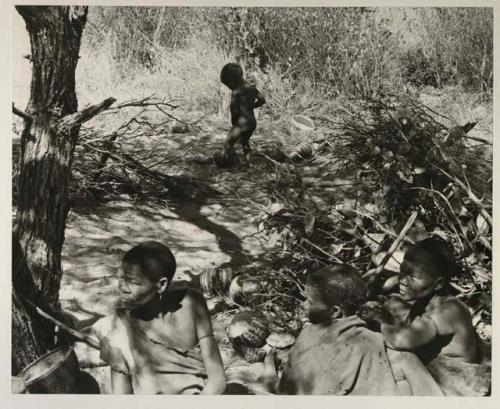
233, 136
245, 143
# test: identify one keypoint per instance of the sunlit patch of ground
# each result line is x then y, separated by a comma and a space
200, 237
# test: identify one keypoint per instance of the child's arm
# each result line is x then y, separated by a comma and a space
216, 382
120, 383
259, 99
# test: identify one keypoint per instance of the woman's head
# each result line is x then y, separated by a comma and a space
427, 267
334, 291
232, 75
146, 270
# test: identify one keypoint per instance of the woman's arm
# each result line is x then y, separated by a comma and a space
406, 338
216, 381
120, 383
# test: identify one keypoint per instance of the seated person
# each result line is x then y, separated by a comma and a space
337, 354
159, 341
436, 325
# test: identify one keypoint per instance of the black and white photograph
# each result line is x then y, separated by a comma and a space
244, 200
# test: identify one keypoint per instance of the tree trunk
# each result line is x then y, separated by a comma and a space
51, 131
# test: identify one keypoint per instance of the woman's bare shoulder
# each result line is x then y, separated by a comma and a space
187, 297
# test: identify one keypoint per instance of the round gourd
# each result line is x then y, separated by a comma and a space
216, 281
303, 151
245, 288
302, 123
247, 333
253, 354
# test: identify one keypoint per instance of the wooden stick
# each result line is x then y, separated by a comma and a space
21, 114
77, 334
394, 246
86, 114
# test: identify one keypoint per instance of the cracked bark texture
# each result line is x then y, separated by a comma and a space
47, 146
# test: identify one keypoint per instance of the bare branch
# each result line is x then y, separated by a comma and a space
22, 114
479, 140
471, 195
394, 245
86, 114
77, 334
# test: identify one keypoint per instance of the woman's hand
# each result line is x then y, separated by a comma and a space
371, 311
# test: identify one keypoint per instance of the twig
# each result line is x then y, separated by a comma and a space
464, 233
394, 245
478, 140
471, 195
77, 334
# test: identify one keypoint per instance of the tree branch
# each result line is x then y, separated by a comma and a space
471, 195
78, 118
22, 114
77, 334
394, 246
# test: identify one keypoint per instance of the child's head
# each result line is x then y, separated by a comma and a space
426, 268
232, 75
146, 270
333, 292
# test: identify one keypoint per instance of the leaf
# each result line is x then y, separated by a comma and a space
309, 224
273, 239
371, 208
336, 248
482, 225
387, 155
402, 176
276, 207
390, 283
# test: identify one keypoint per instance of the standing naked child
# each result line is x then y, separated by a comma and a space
438, 327
159, 342
244, 98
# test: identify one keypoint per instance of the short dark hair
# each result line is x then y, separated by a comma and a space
154, 259
435, 255
231, 75
339, 284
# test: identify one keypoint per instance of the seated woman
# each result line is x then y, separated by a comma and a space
337, 354
436, 325
159, 341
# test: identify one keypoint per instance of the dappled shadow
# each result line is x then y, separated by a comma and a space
200, 235
206, 219
229, 243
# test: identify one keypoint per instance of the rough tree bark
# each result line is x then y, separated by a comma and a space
52, 124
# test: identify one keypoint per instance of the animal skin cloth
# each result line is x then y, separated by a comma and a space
346, 358
458, 378
154, 366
